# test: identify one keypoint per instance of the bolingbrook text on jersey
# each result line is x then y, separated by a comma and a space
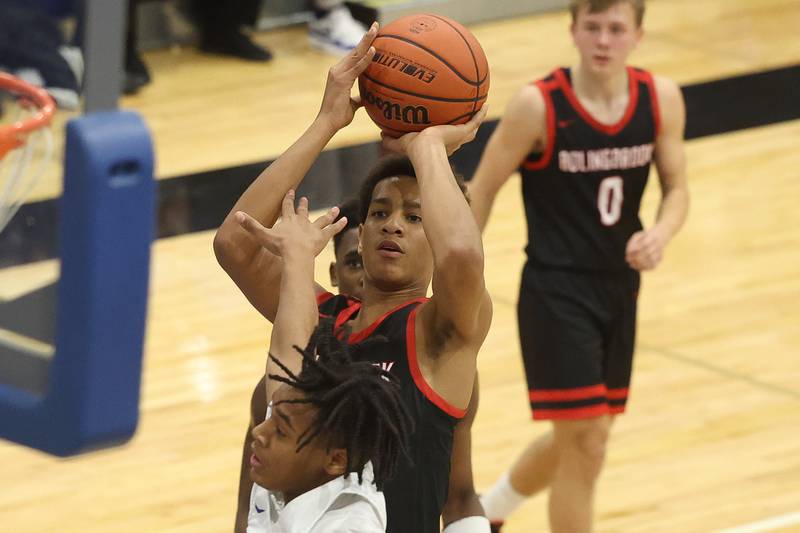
575, 161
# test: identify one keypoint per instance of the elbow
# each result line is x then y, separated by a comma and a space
223, 247
466, 258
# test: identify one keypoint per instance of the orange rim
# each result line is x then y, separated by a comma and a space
14, 135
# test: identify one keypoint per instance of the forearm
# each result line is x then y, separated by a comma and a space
448, 221
297, 314
262, 199
672, 212
481, 201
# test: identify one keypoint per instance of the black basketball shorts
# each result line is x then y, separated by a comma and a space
577, 332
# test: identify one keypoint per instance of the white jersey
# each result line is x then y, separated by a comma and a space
342, 505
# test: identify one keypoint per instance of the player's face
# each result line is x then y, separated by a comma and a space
347, 273
394, 248
606, 39
275, 463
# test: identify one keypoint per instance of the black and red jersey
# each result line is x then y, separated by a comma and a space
582, 193
417, 493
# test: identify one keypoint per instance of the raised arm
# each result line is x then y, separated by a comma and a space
254, 269
645, 248
459, 291
297, 241
521, 130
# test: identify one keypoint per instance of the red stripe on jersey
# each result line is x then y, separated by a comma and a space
323, 297
416, 373
575, 413
647, 78
545, 87
565, 395
617, 394
346, 314
616, 409
608, 129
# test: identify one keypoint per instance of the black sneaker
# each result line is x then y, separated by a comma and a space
235, 44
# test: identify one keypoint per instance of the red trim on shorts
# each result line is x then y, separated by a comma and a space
565, 395
647, 78
577, 413
608, 129
545, 87
617, 394
616, 409
416, 373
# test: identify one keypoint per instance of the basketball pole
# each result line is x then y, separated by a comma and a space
103, 41
106, 230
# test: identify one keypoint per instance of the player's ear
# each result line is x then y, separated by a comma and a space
360, 235
332, 273
337, 462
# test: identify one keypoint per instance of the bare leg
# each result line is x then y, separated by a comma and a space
582, 450
534, 469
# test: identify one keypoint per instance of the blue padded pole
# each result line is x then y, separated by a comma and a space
107, 226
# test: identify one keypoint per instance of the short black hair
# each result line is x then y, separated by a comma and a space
390, 166
349, 209
359, 406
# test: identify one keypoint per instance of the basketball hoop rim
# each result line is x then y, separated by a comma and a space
13, 135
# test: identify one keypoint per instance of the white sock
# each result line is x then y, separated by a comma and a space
501, 500
470, 524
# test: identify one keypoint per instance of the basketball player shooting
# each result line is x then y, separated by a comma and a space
583, 139
417, 228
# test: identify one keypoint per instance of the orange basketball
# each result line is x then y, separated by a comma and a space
427, 70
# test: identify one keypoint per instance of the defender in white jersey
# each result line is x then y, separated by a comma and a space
336, 427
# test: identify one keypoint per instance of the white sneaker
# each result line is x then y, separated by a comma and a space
337, 32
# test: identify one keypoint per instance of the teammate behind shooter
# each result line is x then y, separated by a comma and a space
583, 139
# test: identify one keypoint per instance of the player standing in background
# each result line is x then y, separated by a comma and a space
583, 139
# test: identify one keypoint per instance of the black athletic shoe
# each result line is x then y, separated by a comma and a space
235, 44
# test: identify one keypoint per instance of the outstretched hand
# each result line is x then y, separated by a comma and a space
294, 233
451, 136
338, 107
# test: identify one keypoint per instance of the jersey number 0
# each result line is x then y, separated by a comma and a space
609, 200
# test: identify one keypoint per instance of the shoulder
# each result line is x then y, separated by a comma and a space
331, 304
671, 107
350, 514
528, 101
670, 97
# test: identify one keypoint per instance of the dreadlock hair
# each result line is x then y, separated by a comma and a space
358, 403
349, 209
388, 167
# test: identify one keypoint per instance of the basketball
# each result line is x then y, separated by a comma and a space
427, 70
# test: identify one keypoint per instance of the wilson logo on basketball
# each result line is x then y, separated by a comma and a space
410, 114
399, 64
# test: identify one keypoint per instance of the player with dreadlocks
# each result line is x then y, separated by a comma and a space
336, 426
346, 274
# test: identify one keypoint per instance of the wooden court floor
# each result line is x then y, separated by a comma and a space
711, 439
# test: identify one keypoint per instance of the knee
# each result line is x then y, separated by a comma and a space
587, 441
